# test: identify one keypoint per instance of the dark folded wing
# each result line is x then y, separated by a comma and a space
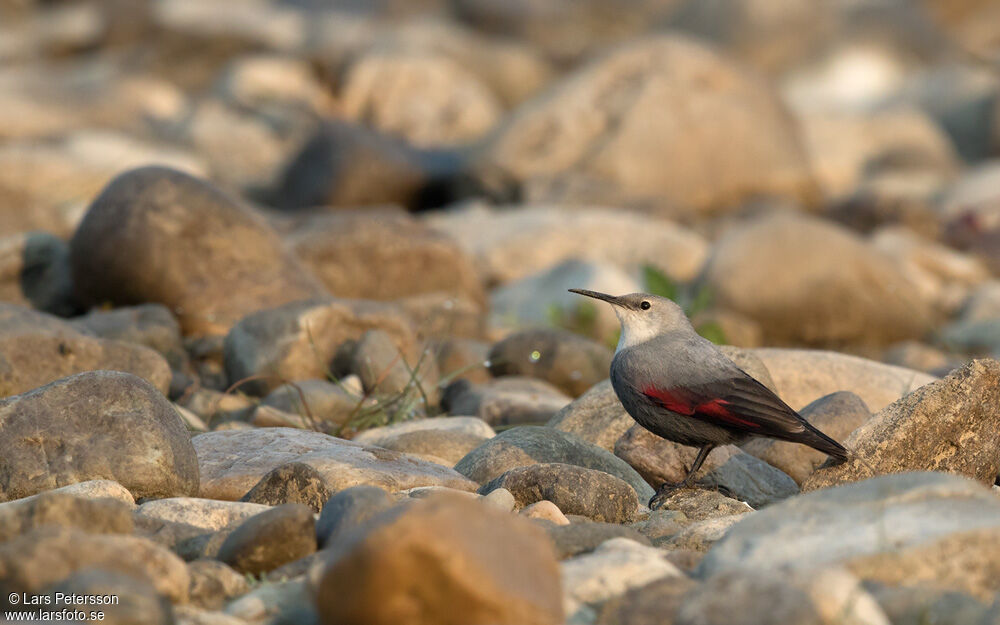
739, 402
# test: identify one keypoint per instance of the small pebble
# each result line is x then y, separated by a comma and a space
500, 499
546, 511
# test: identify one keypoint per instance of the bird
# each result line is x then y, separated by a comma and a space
681, 387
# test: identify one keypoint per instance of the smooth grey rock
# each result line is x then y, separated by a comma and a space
575, 490
349, 509
233, 461
270, 539
439, 446
35, 272
527, 445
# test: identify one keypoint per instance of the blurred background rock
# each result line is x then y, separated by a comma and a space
797, 173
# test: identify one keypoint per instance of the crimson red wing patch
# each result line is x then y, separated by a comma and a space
681, 402
670, 399
719, 409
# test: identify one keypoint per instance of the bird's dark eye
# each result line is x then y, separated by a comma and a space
644, 305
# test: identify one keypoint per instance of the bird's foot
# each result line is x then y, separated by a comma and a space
664, 492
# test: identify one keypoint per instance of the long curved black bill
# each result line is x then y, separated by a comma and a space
611, 299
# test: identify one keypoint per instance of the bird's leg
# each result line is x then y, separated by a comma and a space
666, 489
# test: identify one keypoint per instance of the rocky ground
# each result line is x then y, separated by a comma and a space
285, 336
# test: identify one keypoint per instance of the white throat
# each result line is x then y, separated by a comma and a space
636, 329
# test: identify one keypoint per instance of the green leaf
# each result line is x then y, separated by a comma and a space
658, 283
701, 302
713, 332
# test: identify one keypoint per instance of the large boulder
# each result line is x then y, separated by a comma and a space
885, 515
665, 119
381, 88
158, 235
949, 425
95, 425
441, 446
802, 376
36, 348
233, 461
298, 341
383, 255
509, 244
446, 560
806, 281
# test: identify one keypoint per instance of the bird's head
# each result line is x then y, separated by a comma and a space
642, 316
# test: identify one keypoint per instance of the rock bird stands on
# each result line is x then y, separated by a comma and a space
679, 386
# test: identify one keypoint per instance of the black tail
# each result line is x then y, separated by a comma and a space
821, 442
